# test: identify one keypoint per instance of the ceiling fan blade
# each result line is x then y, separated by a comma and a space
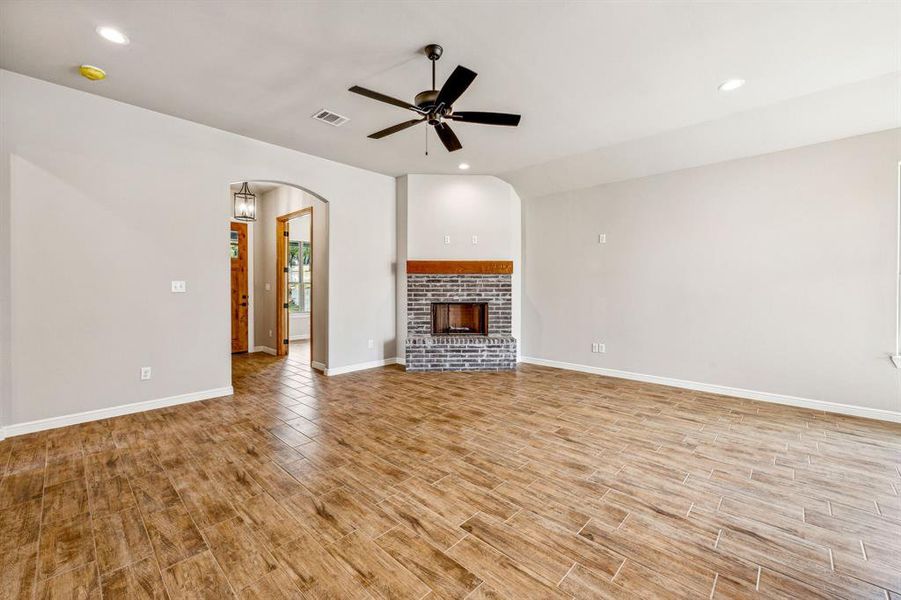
395, 128
455, 85
448, 138
486, 118
383, 98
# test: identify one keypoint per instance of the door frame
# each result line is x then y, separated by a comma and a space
243, 249
281, 275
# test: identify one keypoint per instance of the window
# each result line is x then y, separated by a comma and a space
233, 251
299, 276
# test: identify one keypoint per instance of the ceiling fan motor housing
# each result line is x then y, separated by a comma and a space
426, 100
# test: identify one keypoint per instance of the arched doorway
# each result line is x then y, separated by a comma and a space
271, 302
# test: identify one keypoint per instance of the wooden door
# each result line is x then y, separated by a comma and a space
238, 253
281, 270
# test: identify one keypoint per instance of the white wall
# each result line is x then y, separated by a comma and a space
430, 207
275, 203
5, 296
773, 274
401, 268
109, 203
299, 326
461, 206
299, 229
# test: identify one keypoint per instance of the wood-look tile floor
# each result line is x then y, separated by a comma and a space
382, 484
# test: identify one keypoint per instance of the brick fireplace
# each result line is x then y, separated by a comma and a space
459, 316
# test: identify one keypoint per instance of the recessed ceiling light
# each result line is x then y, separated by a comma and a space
112, 34
463, 166
731, 84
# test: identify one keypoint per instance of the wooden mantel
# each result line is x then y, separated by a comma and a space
459, 267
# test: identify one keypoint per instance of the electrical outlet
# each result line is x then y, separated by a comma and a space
594, 347
447, 239
179, 287
268, 286
372, 343
602, 348
270, 333
475, 239
602, 238
145, 373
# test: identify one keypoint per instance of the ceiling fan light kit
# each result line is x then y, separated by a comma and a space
436, 107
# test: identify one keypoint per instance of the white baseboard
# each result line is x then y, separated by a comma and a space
113, 411
401, 361
833, 407
296, 338
361, 366
265, 349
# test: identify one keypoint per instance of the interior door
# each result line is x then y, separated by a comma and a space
238, 252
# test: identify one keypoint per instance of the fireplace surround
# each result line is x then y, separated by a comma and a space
459, 316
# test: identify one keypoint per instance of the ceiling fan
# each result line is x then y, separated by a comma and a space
435, 107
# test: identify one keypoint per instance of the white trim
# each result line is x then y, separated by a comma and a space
361, 366
712, 388
265, 349
401, 361
114, 411
318, 366
294, 338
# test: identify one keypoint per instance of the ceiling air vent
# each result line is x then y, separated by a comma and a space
333, 119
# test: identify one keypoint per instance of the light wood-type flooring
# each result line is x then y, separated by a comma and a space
381, 484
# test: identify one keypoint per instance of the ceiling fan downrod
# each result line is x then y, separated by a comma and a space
433, 52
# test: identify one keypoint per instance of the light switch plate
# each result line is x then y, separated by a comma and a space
447, 239
145, 373
475, 239
179, 287
268, 287
602, 238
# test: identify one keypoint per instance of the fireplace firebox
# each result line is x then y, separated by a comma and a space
459, 318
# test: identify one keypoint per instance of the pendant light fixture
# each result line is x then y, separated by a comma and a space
245, 204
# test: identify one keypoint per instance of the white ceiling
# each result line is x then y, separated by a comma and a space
584, 75
859, 107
